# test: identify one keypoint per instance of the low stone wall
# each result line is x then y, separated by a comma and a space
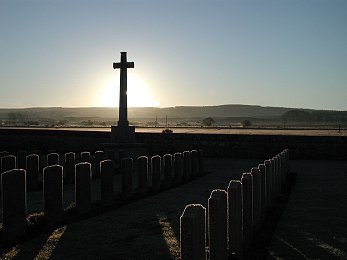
250, 146
61, 141
214, 145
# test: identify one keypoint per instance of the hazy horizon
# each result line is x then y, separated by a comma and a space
269, 53
218, 105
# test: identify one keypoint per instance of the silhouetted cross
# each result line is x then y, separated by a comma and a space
123, 65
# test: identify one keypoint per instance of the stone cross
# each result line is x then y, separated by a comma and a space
123, 65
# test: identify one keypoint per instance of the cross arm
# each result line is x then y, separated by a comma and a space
120, 65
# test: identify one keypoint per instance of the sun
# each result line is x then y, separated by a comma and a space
138, 94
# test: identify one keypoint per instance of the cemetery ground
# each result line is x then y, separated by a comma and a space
312, 223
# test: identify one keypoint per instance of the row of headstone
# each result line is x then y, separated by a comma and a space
14, 195
233, 216
52, 158
14, 184
32, 164
164, 172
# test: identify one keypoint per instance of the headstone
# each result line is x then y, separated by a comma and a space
8, 162
167, 165
280, 169
287, 163
142, 175
178, 170
192, 232
194, 163
13, 204
268, 173
43, 164
32, 166
99, 156
21, 159
247, 189
85, 156
235, 219
186, 166
83, 195
2, 154
274, 179
282, 166
126, 167
106, 175
217, 225
200, 162
262, 170
69, 167
38, 152
156, 172
279, 175
53, 194
256, 197
52, 159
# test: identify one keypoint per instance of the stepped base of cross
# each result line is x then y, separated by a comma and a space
123, 143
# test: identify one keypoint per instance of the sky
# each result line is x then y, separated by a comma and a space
186, 52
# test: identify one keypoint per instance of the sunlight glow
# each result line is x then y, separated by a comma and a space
139, 95
11, 254
51, 243
109, 94
169, 235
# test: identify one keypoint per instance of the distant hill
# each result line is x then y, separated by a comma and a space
221, 111
218, 111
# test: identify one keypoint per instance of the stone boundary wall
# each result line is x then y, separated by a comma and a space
214, 145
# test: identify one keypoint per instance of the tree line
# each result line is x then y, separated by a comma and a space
301, 115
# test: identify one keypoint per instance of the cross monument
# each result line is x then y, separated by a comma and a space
123, 140
123, 132
123, 65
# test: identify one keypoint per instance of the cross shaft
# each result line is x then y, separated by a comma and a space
123, 103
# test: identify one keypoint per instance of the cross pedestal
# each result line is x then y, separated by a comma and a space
122, 134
